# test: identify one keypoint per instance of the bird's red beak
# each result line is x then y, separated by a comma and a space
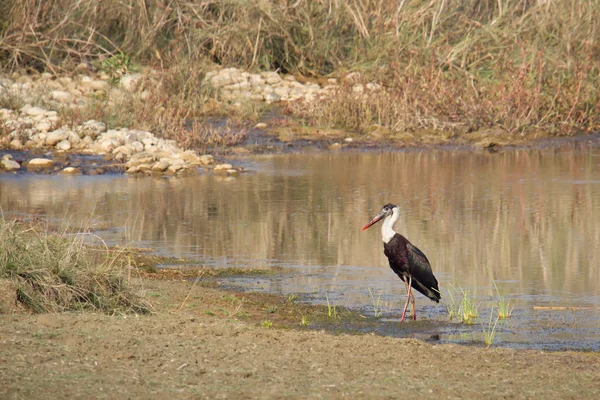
377, 218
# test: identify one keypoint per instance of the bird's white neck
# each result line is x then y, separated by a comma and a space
387, 229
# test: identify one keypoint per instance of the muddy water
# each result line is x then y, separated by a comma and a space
528, 220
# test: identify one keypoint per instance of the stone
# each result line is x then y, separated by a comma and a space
43, 126
130, 82
335, 146
57, 136
99, 85
272, 98
207, 159
63, 145
141, 158
136, 147
61, 95
161, 165
310, 97
174, 168
9, 165
74, 138
124, 150
271, 77
87, 141
372, 86
16, 144
90, 128
222, 168
106, 145
40, 163
70, 171
33, 111
260, 125
358, 88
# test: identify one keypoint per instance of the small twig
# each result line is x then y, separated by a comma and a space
200, 274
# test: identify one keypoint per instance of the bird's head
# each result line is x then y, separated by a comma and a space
387, 211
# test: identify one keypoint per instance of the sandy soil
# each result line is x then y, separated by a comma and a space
203, 342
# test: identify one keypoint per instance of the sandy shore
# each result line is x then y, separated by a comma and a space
203, 342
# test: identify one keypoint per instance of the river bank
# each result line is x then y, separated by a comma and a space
195, 346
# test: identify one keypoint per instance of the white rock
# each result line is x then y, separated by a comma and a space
136, 147
63, 145
39, 163
223, 166
61, 95
56, 136
272, 98
90, 128
310, 97
260, 125
9, 165
33, 111
70, 171
271, 77
99, 85
206, 159
74, 138
141, 158
125, 150
106, 145
161, 165
358, 88
43, 126
174, 168
130, 82
87, 141
16, 144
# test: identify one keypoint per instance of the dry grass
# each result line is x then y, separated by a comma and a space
177, 104
56, 271
521, 66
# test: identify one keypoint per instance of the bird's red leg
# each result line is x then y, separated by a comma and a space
414, 311
411, 297
407, 300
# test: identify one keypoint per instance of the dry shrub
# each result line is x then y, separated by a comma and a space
519, 65
56, 271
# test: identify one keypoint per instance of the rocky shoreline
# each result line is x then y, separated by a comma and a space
44, 144
32, 123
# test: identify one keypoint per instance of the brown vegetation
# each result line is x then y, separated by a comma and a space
520, 66
57, 271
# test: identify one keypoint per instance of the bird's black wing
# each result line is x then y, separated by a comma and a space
422, 276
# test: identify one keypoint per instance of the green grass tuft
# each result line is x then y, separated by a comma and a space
377, 312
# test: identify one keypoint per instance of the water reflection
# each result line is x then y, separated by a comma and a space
528, 217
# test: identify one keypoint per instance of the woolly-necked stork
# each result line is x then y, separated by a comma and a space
406, 260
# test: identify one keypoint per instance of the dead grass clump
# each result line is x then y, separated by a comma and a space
176, 104
56, 271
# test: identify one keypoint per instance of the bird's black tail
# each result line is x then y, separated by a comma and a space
432, 292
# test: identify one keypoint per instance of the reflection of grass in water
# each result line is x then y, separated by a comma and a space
504, 307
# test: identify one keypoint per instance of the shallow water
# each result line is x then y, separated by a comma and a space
528, 219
